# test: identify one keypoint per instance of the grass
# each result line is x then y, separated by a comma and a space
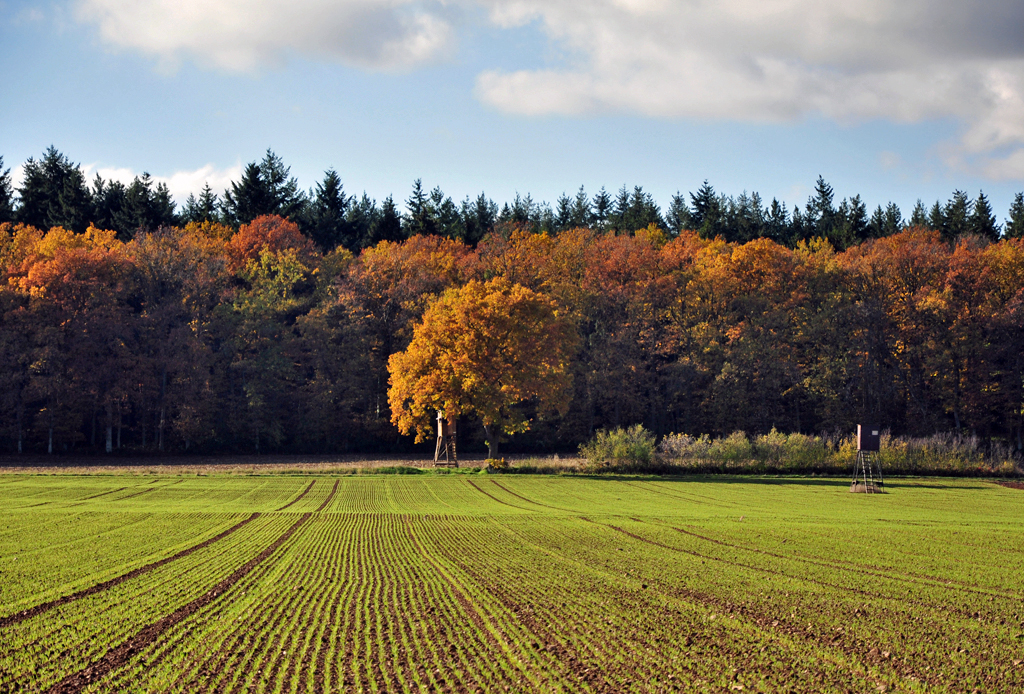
467, 581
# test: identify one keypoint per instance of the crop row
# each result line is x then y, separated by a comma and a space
41, 650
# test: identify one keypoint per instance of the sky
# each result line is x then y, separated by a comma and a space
894, 101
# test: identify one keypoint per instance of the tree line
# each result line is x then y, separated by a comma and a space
204, 337
54, 192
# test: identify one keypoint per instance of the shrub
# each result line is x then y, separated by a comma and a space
628, 449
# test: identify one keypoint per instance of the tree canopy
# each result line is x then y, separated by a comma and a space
483, 350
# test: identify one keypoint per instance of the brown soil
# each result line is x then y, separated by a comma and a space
99, 587
210, 465
117, 657
1012, 484
299, 497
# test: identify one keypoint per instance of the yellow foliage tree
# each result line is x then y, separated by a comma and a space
483, 350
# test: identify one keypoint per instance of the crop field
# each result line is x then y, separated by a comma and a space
477, 582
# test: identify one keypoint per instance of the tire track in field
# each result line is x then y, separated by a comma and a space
96, 496
767, 622
329, 499
119, 656
105, 585
298, 498
852, 567
487, 494
146, 491
529, 501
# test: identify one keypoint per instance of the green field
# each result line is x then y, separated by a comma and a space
476, 582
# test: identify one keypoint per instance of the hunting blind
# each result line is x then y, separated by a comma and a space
867, 471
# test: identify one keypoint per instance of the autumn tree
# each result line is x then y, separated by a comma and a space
485, 350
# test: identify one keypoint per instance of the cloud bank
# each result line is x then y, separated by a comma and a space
902, 61
243, 35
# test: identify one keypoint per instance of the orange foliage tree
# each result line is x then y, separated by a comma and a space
484, 349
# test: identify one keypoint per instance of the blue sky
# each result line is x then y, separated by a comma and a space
896, 101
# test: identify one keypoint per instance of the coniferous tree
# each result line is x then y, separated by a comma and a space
563, 213
707, 211
582, 214
6, 194
361, 219
982, 220
893, 219
203, 209
419, 218
955, 216
936, 217
265, 188
446, 214
678, 216
386, 225
777, 222
478, 218
820, 213
1015, 224
142, 207
602, 209
919, 216
53, 192
620, 210
876, 225
324, 219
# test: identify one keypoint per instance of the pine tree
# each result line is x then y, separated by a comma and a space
419, 218
856, 221
1015, 224
876, 225
362, 218
6, 194
893, 219
478, 218
563, 212
53, 192
982, 220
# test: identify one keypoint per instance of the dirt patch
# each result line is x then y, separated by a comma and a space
330, 497
117, 657
1012, 484
99, 587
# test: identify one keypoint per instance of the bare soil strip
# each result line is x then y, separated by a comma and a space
99, 587
298, 498
96, 496
503, 503
329, 499
1012, 484
117, 657
529, 501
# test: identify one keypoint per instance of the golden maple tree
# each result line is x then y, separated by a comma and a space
483, 350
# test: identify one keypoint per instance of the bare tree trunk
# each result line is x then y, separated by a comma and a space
163, 408
110, 428
492, 442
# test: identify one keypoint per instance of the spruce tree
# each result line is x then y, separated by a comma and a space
893, 219
982, 220
324, 218
955, 216
265, 188
678, 217
419, 219
1015, 224
936, 217
776, 223
919, 217
53, 192
602, 209
6, 194
203, 209
707, 211
821, 215
582, 213
387, 225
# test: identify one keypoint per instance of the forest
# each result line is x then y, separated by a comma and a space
262, 318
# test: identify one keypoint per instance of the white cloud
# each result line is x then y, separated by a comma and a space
242, 35
782, 60
180, 183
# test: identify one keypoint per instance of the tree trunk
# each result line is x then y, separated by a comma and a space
163, 393
21, 409
110, 428
492, 442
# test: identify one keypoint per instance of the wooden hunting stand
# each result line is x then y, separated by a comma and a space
445, 442
867, 471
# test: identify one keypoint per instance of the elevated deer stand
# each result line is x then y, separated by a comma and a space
867, 471
445, 442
